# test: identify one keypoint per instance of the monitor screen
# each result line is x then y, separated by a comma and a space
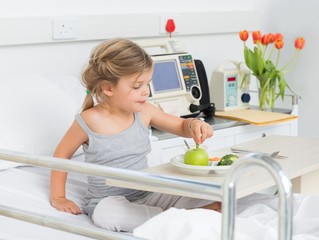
166, 76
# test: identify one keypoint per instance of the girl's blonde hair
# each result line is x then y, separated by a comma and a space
109, 61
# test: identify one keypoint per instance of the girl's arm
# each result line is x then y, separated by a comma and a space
71, 141
188, 127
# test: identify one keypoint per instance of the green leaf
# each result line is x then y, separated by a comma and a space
282, 84
269, 66
250, 60
259, 61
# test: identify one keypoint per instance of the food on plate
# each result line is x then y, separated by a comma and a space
196, 156
217, 159
227, 160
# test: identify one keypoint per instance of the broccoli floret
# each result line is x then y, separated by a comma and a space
227, 160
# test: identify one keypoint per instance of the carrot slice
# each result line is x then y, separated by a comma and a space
214, 159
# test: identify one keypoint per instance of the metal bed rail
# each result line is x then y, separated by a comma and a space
226, 192
284, 192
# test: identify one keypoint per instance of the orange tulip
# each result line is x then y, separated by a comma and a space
279, 44
256, 36
271, 37
267, 38
279, 36
299, 43
244, 35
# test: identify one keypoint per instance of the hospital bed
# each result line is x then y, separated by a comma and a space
28, 137
84, 227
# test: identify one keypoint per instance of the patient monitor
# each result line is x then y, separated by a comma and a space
175, 86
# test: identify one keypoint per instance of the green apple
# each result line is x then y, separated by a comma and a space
196, 156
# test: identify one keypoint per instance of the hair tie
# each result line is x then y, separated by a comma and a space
88, 92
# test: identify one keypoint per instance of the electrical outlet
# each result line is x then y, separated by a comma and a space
163, 22
65, 28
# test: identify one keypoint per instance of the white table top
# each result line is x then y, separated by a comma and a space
302, 153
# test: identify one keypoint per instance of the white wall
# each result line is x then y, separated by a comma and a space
30, 23
67, 7
68, 58
295, 18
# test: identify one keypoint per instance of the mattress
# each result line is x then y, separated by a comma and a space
27, 188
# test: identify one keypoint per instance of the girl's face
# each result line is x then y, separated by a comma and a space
131, 92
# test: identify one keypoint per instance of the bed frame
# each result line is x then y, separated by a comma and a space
226, 191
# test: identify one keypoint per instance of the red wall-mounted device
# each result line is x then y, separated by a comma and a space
170, 26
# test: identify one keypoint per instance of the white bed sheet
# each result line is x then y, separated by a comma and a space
257, 219
27, 188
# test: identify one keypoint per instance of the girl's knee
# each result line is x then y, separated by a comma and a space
116, 213
107, 214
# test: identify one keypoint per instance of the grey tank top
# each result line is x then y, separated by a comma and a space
127, 149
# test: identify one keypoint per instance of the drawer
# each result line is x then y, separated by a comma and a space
265, 131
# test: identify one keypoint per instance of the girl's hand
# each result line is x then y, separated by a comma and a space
200, 130
65, 205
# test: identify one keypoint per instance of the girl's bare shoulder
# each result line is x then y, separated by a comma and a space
148, 112
94, 118
90, 114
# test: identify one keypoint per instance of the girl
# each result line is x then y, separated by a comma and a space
113, 130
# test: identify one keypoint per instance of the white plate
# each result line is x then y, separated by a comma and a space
178, 162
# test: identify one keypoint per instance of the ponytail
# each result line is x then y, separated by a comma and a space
88, 102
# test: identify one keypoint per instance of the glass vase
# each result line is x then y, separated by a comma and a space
267, 95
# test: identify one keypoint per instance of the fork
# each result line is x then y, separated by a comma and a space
273, 154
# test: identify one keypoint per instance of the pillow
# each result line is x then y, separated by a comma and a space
71, 86
35, 114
